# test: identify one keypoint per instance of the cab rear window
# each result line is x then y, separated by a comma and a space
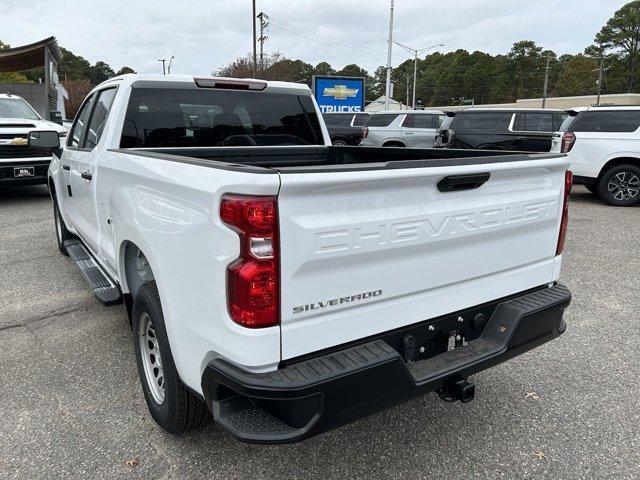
182, 117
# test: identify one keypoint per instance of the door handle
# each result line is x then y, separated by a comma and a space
86, 175
408, 133
66, 167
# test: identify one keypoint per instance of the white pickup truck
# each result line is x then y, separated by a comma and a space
20, 163
288, 286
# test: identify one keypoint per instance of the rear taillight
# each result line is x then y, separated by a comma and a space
253, 286
564, 223
568, 139
365, 132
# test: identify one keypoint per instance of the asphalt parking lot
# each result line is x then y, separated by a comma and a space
71, 406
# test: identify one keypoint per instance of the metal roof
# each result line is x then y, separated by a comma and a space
29, 56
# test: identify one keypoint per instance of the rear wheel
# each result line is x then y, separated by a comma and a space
339, 143
62, 234
393, 144
170, 403
620, 186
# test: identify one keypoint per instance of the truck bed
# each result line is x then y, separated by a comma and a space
309, 159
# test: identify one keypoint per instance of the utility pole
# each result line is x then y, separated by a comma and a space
415, 53
546, 82
387, 93
407, 92
255, 61
600, 77
163, 60
169, 67
263, 37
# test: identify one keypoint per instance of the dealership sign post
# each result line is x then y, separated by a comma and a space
339, 94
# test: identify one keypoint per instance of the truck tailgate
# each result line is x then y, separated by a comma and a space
364, 252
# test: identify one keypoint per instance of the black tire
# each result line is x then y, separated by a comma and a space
620, 186
62, 234
180, 411
394, 144
339, 142
592, 188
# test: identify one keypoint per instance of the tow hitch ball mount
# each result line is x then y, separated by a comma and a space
459, 389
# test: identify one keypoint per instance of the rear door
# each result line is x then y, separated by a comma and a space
420, 129
534, 129
83, 170
364, 252
484, 130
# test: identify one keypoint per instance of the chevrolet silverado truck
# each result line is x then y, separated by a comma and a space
20, 163
286, 286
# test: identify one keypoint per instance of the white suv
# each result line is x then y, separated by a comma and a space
603, 146
402, 128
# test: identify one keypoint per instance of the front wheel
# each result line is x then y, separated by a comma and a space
620, 186
170, 403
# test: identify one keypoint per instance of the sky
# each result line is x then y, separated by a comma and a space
204, 35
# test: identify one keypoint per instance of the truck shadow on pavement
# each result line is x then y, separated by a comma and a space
24, 193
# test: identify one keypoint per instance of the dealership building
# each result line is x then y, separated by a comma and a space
48, 94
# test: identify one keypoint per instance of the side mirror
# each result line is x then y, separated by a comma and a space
55, 116
47, 140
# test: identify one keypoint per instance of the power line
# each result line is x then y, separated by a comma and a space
325, 37
349, 49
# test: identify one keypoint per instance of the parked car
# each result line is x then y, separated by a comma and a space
603, 146
20, 163
402, 128
526, 130
345, 128
292, 289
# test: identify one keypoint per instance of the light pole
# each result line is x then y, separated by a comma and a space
163, 60
169, 67
415, 53
387, 92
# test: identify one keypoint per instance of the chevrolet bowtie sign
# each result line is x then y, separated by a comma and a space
339, 94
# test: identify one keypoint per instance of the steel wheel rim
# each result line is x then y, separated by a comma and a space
151, 358
624, 186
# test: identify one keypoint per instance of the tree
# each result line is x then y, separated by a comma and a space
125, 70
528, 67
578, 77
13, 77
73, 67
622, 33
100, 72
352, 70
323, 68
4, 46
77, 90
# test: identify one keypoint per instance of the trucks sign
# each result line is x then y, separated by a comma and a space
339, 94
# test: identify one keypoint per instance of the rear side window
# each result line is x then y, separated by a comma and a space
422, 120
337, 119
481, 121
183, 117
533, 122
101, 109
80, 124
606, 121
382, 119
361, 119
566, 123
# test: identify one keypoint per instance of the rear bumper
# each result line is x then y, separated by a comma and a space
306, 398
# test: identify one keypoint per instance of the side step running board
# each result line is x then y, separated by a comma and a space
103, 287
